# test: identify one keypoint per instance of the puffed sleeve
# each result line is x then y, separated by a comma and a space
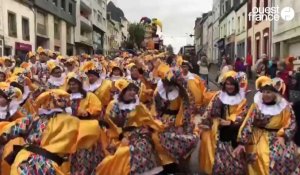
94, 105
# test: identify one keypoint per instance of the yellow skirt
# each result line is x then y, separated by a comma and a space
24, 155
8, 148
207, 152
119, 163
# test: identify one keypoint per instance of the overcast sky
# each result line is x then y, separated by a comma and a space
178, 16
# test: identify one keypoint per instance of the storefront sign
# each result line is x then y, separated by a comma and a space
24, 47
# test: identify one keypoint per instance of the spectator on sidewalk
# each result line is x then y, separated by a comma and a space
284, 74
261, 66
297, 79
249, 62
273, 67
227, 67
239, 65
289, 61
203, 66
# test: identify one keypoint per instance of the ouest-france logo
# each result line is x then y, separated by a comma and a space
271, 14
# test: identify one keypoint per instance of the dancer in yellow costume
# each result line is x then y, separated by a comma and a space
220, 126
85, 106
57, 77
130, 128
194, 86
171, 107
95, 84
267, 132
49, 137
10, 98
135, 77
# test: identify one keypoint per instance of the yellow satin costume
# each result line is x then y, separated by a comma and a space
103, 92
119, 162
90, 104
62, 132
209, 136
258, 141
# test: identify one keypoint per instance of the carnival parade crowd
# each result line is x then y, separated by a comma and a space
140, 114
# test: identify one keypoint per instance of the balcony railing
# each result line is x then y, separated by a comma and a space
86, 5
86, 40
41, 29
86, 24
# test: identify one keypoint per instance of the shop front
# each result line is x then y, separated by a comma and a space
22, 49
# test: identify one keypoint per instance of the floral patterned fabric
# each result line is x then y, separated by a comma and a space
225, 163
143, 157
283, 159
226, 139
178, 141
51, 86
74, 106
36, 165
142, 152
85, 161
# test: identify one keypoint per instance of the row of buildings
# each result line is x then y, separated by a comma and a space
228, 30
68, 26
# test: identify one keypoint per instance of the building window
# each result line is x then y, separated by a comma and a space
99, 17
266, 41
57, 48
56, 29
103, 5
12, 24
63, 4
70, 8
243, 22
1, 47
55, 2
249, 20
69, 34
229, 28
25, 29
257, 3
257, 44
266, 3
221, 31
41, 23
239, 24
233, 27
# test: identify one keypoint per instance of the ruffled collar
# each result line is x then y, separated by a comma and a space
57, 81
13, 107
269, 109
232, 100
33, 64
43, 65
94, 86
130, 106
163, 94
42, 111
75, 96
115, 78
189, 76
